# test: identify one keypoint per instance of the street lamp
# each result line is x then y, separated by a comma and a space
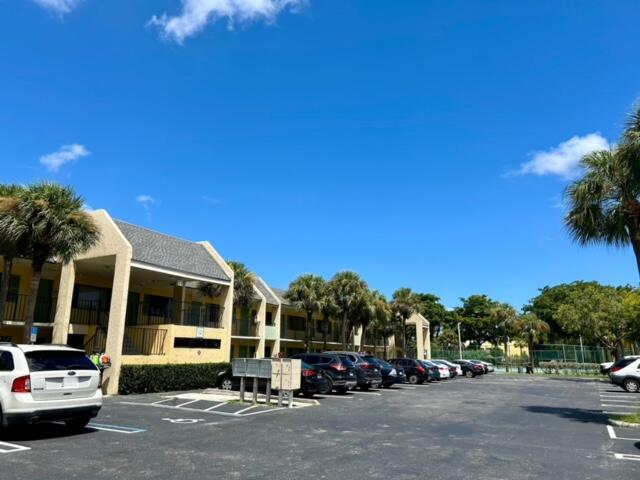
459, 341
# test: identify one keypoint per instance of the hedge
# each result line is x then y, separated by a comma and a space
556, 367
168, 378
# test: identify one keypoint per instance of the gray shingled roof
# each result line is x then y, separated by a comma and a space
280, 293
165, 251
260, 285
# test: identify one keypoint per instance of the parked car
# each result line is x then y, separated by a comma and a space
605, 367
367, 374
44, 383
340, 371
454, 366
436, 372
488, 367
312, 380
453, 369
390, 374
469, 369
414, 370
485, 369
626, 373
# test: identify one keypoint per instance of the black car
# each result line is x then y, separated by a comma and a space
313, 380
470, 369
413, 369
367, 374
340, 371
390, 374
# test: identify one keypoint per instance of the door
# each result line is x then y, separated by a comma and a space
194, 314
44, 311
244, 322
133, 304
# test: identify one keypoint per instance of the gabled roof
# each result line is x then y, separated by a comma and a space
280, 293
264, 290
161, 250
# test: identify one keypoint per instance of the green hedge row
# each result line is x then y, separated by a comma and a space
168, 378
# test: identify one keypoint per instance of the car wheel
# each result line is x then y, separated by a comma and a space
77, 424
468, 374
413, 379
386, 385
327, 389
226, 384
364, 387
631, 385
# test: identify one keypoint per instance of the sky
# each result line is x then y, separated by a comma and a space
424, 144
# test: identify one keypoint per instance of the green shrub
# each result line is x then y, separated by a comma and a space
167, 378
556, 367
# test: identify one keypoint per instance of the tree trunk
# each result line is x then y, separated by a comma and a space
36, 274
506, 354
619, 351
384, 341
344, 331
532, 357
307, 334
404, 337
4, 285
634, 237
362, 337
325, 327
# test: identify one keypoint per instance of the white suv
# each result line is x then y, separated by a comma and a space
626, 373
41, 383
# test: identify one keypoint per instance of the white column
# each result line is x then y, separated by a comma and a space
117, 316
227, 315
427, 341
419, 341
63, 303
262, 330
277, 318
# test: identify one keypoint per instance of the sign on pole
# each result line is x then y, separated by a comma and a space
34, 334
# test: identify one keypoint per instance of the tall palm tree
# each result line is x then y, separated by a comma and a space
404, 303
605, 205
329, 310
50, 219
347, 289
381, 319
306, 293
362, 317
10, 247
532, 330
243, 285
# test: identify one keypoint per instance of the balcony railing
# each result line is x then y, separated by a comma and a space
143, 341
244, 328
89, 312
15, 309
178, 313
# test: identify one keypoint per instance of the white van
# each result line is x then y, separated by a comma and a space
42, 383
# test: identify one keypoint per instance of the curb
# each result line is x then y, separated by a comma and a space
620, 423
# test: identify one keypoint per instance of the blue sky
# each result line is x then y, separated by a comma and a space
421, 143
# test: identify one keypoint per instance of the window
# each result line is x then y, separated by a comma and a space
156, 306
313, 359
324, 359
53, 360
209, 343
91, 298
295, 323
6, 362
269, 319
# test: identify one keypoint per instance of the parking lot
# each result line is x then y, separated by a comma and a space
490, 427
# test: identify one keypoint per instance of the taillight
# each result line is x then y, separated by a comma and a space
338, 367
21, 385
615, 369
420, 369
367, 366
308, 373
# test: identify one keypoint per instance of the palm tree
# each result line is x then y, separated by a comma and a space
10, 248
605, 205
381, 319
50, 220
530, 329
306, 293
362, 316
243, 286
347, 289
404, 303
329, 310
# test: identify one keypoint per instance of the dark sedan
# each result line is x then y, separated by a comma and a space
340, 371
367, 374
470, 369
390, 374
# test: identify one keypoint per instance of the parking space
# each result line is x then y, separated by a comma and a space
491, 427
623, 442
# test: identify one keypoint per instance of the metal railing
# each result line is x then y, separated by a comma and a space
244, 328
176, 313
89, 312
143, 341
17, 305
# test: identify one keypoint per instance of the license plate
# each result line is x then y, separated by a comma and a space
71, 382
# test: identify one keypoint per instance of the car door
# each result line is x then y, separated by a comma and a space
7, 367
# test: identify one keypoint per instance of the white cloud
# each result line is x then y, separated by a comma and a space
145, 199
564, 159
58, 6
196, 14
66, 154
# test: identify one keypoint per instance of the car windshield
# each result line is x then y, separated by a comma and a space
52, 360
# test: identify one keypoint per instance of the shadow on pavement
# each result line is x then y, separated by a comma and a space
579, 380
42, 431
576, 414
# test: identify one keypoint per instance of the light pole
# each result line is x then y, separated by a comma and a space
459, 341
582, 348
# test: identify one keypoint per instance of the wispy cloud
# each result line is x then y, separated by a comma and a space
211, 200
195, 15
58, 6
564, 159
146, 201
66, 154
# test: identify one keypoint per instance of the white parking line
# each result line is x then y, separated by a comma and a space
618, 399
608, 412
215, 406
613, 436
115, 428
240, 412
626, 456
339, 397
163, 400
187, 403
367, 393
619, 406
6, 447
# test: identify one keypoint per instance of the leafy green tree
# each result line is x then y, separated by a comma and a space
546, 304
605, 202
307, 293
504, 317
381, 324
432, 309
50, 220
530, 329
347, 290
404, 304
599, 313
448, 339
477, 320
10, 246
